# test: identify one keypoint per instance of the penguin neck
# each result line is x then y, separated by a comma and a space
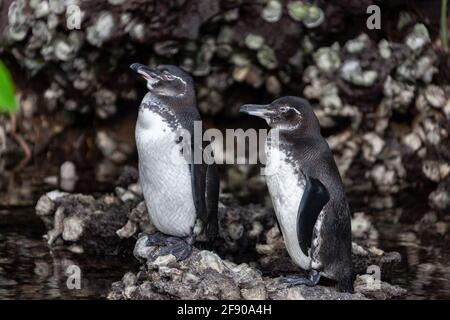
297, 136
173, 102
302, 145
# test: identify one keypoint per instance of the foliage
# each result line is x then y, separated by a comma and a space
7, 92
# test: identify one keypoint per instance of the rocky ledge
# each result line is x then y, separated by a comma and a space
204, 275
247, 260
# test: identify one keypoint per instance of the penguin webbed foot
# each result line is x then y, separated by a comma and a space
156, 239
310, 280
181, 248
178, 247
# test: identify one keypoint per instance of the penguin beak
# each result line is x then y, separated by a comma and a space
261, 111
145, 72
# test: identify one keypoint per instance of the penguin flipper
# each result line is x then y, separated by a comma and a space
212, 201
315, 197
198, 177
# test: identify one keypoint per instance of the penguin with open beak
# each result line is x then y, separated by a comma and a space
177, 189
307, 193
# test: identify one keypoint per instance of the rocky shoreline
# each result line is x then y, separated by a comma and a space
249, 260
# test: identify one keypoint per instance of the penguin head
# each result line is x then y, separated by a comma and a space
166, 80
288, 114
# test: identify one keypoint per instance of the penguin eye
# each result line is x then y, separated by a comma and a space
284, 109
168, 76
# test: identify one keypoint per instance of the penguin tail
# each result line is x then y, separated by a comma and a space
345, 281
211, 231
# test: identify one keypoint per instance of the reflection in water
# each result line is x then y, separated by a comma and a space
28, 270
425, 266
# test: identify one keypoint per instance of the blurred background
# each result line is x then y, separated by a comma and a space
382, 96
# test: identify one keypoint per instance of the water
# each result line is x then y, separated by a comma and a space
425, 267
29, 270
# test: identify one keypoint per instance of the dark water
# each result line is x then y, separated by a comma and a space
425, 267
28, 270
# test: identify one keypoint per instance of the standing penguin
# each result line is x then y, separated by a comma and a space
307, 193
176, 190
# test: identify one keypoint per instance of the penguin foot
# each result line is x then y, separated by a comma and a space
177, 247
156, 239
311, 280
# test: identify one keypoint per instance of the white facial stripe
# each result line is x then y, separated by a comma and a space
184, 85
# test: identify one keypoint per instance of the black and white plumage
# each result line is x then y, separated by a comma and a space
307, 193
176, 190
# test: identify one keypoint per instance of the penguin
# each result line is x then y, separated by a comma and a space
307, 193
178, 191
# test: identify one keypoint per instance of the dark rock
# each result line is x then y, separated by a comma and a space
204, 275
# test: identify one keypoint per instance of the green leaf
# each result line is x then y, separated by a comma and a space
7, 93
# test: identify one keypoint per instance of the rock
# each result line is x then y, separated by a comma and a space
435, 96
311, 16
418, 38
254, 42
129, 279
204, 275
435, 170
68, 176
102, 29
85, 221
298, 10
352, 72
106, 144
372, 147
88, 225
440, 198
45, 206
327, 59
273, 86
377, 289
363, 229
256, 293
128, 176
209, 260
272, 11
68, 171
384, 49
105, 103
58, 227
413, 141
163, 261
72, 228
266, 57
357, 45
125, 195
128, 230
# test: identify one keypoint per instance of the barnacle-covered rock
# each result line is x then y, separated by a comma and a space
417, 39
111, 148
205, 275
328, 58
89, 223
435, 170
272, 11
440, 198
102, 30
398, 95
311, 15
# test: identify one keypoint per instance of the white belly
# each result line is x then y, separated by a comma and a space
164, 176
286, 191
